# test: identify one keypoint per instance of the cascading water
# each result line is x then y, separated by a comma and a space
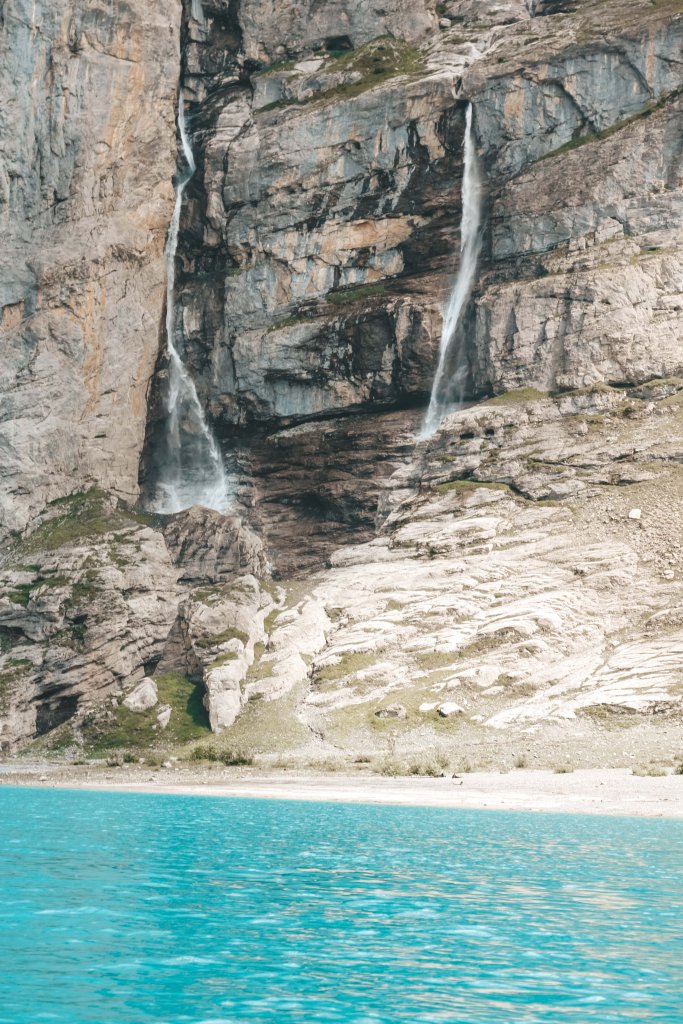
191, 470
451, 372
197, 11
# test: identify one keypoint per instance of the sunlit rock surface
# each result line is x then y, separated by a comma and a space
500, 566
87, 156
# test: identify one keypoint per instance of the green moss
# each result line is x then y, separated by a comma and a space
292, 321
223, 638
81, 516
222, 659
270, 619
430, 660
348, 296
22, 594
583, 140
376, 62
349, 663
209, 595
519, 395
85, 590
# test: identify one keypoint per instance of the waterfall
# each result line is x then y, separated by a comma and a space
197, 11
191, 470
446, 384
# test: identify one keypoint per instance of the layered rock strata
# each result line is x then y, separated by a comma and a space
87, 156
522, 565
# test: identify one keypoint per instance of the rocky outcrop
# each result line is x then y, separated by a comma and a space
512, 584
584, 276
315, 487
87, 156
211, 548
87, 602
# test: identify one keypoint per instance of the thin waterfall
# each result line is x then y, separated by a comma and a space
191, 470
451, 373
197, 11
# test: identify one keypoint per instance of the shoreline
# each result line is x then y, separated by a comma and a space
609, 791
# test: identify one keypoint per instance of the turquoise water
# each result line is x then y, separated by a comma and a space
127, 909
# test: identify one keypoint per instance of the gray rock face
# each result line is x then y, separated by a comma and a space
279, 27
585, 282
314, 292
87, 154
210, 548
86, 602
582, 80
323, 224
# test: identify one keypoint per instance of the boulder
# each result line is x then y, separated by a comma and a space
392, 711
143, 697
449, 708
164, 716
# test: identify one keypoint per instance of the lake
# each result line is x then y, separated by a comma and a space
123, 908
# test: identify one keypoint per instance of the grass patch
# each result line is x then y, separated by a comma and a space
270, 620
129, 729
21, 594
81, 516
292, 321
349, 664
268, 726
518, 395
348, 296
610, 715
376, 62
212, 752
222, 638
649, 771
583, 140
222, 659
430, 660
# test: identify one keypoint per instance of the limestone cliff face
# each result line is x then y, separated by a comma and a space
318, 242
87, 156
584, 276
322, 229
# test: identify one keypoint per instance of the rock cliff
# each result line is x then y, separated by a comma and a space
87, 156
371, 590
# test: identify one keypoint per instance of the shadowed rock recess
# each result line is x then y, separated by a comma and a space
506, 591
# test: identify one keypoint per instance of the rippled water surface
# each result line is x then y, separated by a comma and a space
126, 909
